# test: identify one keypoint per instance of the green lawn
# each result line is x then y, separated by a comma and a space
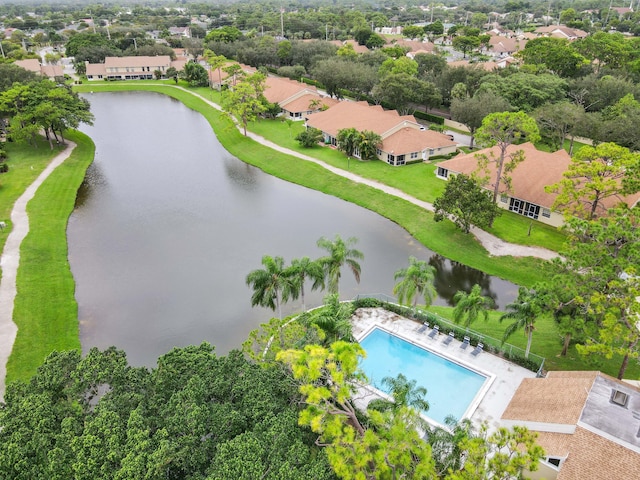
25, 164
418, 180
45, 308
547, 343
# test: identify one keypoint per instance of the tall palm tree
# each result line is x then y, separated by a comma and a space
524, 313
302, 269
341, 253
271, 285
471, 305
415, 280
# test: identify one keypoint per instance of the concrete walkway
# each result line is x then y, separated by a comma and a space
494, 245
10, 260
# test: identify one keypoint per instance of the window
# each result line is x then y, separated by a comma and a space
503, 198
619, 398
527, 209
391, 159
442, 172
555, 461
414, 155
546, 213
431, 151
400, 160
378, 152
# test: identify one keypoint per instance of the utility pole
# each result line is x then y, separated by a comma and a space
326, 32
2, 49
282, 22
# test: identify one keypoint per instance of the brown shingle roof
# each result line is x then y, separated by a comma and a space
301, 104
529, 178
595, 457
550, 400
96, 69
408, 140
138, 61
358, 115
538, 170
280, 89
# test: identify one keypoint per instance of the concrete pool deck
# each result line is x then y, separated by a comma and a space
506, 375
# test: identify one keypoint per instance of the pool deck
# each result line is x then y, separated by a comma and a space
505, 377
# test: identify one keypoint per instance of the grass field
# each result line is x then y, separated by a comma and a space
45, 308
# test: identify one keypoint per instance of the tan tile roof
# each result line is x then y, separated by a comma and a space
356, 46
538, 170
550, 400
594, 457
179, 63
358, 115
506, 44
31, 64
301, 104
408, 140
280, 89
138, 61
415, 46
96, 69
52, 71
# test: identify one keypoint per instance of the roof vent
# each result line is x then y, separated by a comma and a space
619, 398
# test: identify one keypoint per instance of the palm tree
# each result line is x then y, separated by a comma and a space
348, 140
405, 393
415, 280
340, 253
471, 305
368, 144
271, 285
334, 319
524, 312
302, 269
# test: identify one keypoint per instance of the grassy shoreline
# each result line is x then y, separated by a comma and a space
438, 237
45, 308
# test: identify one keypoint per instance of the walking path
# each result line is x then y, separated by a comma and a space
10, 260
494, 245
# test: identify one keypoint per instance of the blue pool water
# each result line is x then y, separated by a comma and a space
450, 387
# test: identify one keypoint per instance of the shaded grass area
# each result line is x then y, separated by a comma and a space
25, 164
45, 308
547, 342
439, 237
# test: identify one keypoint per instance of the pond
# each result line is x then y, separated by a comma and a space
168, 224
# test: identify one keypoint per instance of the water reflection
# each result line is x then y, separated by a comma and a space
452, 277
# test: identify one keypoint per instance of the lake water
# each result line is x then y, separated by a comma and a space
168, 224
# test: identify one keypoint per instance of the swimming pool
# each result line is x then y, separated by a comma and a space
451, 388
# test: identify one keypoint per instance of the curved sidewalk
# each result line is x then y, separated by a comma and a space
10, 260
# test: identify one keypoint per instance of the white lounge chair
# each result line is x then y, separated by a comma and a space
477, 350
434, 332
449, 338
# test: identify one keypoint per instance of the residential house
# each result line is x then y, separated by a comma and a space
587, 422
560, 31
296, 99
404, 140
130, 68
184, 32
501, 46
356, 46
527, 195
53, 72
